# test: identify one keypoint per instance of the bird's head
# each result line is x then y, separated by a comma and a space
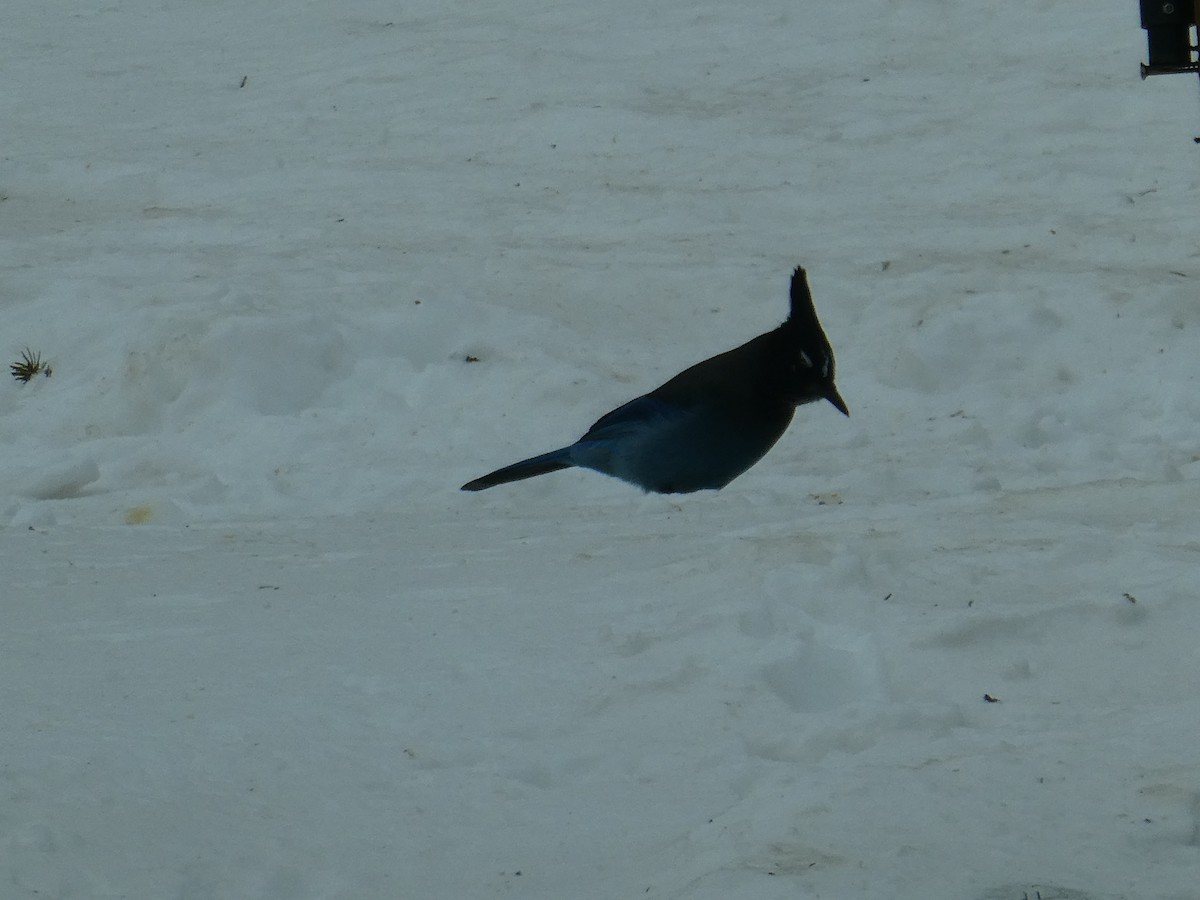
810, 365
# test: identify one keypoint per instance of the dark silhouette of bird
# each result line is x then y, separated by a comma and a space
710, 423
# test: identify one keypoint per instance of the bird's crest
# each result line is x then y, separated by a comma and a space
816, 352
803, 312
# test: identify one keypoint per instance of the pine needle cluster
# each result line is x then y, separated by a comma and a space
29, 365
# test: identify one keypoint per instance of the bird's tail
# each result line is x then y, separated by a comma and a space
526, 468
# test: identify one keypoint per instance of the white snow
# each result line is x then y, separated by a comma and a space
256, 643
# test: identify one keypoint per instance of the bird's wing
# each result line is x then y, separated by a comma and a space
635, 416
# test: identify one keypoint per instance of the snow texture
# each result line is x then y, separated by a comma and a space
300, 270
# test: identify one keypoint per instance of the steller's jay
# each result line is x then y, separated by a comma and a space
710, 423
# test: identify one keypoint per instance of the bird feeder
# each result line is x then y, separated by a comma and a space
1169, 36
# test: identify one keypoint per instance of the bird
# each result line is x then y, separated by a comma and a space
711, 422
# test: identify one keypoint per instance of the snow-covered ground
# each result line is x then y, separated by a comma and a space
302, 269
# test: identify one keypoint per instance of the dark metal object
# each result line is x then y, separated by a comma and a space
1169, 25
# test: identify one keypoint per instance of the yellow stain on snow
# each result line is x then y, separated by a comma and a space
139, 515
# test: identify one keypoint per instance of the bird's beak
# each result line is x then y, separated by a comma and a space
835, 398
